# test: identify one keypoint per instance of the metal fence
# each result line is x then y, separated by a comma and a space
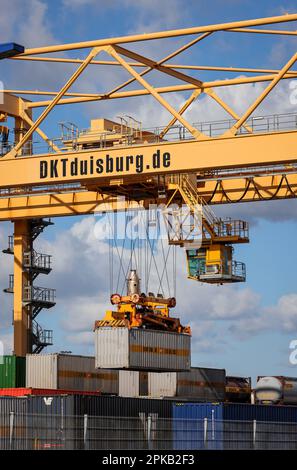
20, 431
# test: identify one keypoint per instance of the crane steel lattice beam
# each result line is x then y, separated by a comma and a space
139, 64
52, 104
112, 51
160, 90
214, 191
240, 151
161, 35
263, 95
153, 65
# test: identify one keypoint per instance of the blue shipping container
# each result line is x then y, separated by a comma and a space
189, 426
207, 425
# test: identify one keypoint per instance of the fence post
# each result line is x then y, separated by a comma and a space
254, 433
205, 432
85, 431
11, 428
149, 431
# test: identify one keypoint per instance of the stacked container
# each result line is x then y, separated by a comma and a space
78, 373
68, 372
224, 425
12, 371
203, 384
140, 349
112, 422
13, 412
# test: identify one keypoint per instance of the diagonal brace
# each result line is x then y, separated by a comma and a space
111, 51
210, 92
184, 107
263, 95
29, 121
162, 61
155, 65
52, 104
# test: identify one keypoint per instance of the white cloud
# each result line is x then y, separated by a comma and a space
84, 312
281, 317
28, 24
285, 312
6, 339
273, 211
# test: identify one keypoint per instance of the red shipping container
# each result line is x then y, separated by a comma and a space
21, 392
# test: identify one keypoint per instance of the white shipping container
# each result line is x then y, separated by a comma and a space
162, 384
69, 372
140, 349
200, 383
128, 383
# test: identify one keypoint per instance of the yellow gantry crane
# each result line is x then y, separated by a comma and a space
116, 165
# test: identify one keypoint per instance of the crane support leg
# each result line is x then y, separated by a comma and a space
21, 313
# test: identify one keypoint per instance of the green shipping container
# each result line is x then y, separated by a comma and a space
12, 372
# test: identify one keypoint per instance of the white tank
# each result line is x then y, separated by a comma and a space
277, 390
133, 283
268, 389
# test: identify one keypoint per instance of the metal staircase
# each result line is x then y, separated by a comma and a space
41, 338
210, 226
38, 226
34, 298
188, 191
37, 263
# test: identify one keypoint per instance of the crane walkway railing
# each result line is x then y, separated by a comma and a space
258, 124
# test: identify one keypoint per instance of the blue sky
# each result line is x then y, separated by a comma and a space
245, 329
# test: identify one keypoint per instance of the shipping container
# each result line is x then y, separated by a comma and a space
140, 349
238, 389
133, 383
228, 425
12, 371
111, 420
277, 390
162, 384
203, 384
23, 392
13, 423
69, 372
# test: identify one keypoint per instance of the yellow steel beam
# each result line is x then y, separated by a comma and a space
11, 105
159, 63
234, 189
21, 314
263, 31
263, 95
50, 93
102, 166
42, 134
210, 92
162, 34
184, 107
152, 64
111, 50
249, 189
161, 90
52, 104
64, 204
139, 64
